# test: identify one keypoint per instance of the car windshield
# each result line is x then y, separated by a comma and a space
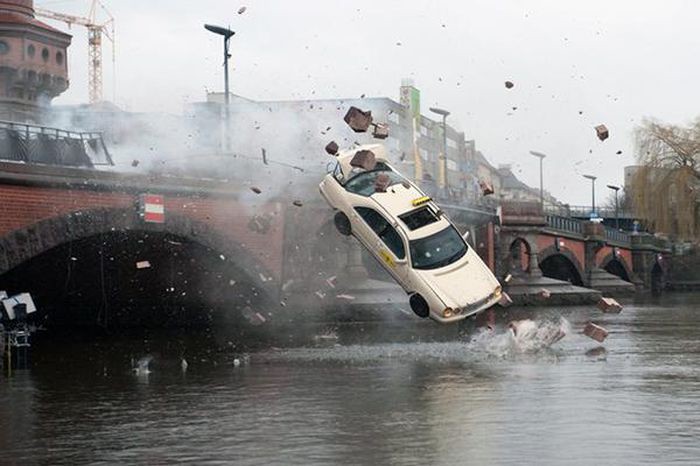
437, 250
365, 184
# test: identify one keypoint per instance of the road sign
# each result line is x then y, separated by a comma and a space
152, 208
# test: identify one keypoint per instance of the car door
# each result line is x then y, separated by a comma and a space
386, 243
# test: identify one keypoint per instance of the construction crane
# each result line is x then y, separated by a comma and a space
96, 30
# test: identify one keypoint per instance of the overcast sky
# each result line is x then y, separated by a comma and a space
615, 61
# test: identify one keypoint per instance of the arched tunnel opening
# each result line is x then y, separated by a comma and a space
559, 267
616, 268
124, 281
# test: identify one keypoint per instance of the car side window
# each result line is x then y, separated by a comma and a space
384, 230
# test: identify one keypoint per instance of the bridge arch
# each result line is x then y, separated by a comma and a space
561, 265
519, 253
20, 249
616, 266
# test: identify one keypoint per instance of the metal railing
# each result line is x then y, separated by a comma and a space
571, 225
616, 235
580, 211
20, 142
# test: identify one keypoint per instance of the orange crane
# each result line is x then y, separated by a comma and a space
95, 32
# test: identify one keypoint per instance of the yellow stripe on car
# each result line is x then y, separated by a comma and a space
387, 257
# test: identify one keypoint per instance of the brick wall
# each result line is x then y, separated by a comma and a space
22, 206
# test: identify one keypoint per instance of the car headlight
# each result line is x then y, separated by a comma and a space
498, 290
448, 312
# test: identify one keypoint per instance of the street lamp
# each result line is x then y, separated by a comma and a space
540, 156
226, 33
592, 178
617, 217
443, 160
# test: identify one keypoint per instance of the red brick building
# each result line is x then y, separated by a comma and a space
33, 62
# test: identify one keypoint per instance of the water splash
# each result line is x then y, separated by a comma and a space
521, 337
142, 366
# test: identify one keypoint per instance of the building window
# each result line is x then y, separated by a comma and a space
452, 165
59, 58
4, 47
393, 117
451, 143
45, 54
31, 51
423, 154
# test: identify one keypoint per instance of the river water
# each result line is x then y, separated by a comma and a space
633, 400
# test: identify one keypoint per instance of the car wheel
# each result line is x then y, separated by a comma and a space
342, 223
419, 305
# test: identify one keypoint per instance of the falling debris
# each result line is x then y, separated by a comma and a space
509, 84
254, 318
602, 132
358, 120
486, 188
298, 203
331, 281
222, 257
595, 332
544, 293
332, 148
505, 300
508, 278
231, 282
381, 182
135, 163
381, 131
345, 297
609, 306
264, 156
618, 152
143, 265
242, 9
364, 159
256, 190
320, 295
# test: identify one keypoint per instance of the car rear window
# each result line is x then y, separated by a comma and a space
419, 218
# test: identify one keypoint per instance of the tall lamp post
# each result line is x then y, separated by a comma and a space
443, 160
540, 156
226, 33
617, 217
592, 178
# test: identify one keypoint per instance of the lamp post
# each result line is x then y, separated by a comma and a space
540, 156
592, 178
443, 160
617, 217
226, 33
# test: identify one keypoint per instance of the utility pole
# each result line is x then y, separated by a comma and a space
443, 159
592, 178
227, 33
617, 216
540, 156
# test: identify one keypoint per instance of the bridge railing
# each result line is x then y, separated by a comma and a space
615, 235
580, 211
557, 222
20, 142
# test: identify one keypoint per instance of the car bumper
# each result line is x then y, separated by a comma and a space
469, 311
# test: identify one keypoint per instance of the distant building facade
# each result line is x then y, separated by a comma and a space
33, 62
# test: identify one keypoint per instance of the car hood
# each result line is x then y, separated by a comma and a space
462, 283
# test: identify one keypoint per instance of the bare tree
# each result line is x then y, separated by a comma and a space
664, 190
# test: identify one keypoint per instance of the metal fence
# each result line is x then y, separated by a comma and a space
21, 142
571, 225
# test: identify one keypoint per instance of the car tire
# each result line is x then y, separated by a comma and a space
419, 305
342, 224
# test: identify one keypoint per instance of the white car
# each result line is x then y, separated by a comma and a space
409, 235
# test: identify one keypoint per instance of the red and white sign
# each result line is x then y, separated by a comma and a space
152, 208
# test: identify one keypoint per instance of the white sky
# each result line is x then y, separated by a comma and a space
617, 61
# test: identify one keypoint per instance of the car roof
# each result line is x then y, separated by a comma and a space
398, 199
